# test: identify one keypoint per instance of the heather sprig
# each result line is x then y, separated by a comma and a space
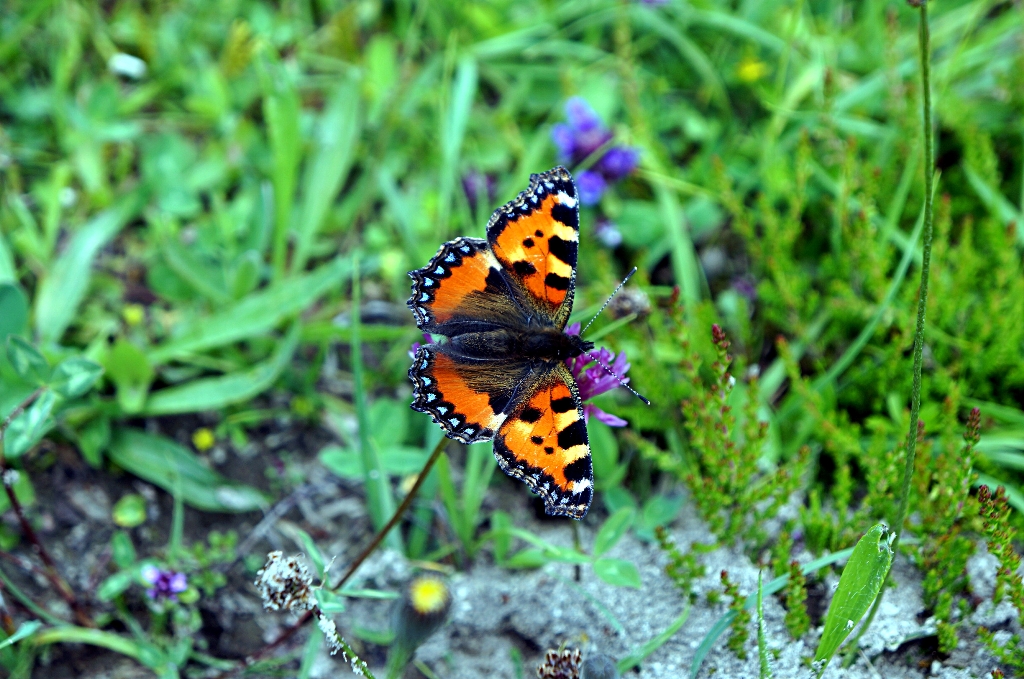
682, 569
733, 495
740, 624
798, 622
1000, 535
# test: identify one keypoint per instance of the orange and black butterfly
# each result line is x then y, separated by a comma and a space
500, 307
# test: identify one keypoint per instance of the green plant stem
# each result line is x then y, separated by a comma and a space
924, 43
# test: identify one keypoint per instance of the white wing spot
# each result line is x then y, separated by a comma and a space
427, 282
454, 421
580, 486
442, 409
431, 396
439, 271
566, 200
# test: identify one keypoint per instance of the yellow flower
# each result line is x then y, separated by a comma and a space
428, 595
203, 439
751, 69
133, 314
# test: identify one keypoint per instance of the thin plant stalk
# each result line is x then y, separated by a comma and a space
924, 45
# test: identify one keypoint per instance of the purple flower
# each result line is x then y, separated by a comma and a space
427, 339
608, 234
618, 162
595, 380
583, 135
165, 584
591, 186
479, 187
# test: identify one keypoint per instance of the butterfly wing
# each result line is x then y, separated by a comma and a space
463, 290
535, 239
469, 398
543, 441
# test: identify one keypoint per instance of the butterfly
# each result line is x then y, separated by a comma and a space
499, 307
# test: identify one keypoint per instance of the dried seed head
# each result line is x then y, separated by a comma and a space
285, 583
560, 665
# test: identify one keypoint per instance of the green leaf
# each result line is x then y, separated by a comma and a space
64, 285
130, 371
396, 461
25, 630
213, 393
130, 511
618, 572
659, 510
8, 274
23, 490
613, 529
257, 314
26, 360
531, 557
75, 376
330, 602
93, 438
29, 428
123, 550
116, 584
164, 463
604, 452
13, 310
860, 583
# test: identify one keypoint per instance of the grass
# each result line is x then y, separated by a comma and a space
221, 239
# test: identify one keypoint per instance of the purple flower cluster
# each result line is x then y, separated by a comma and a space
595, 380
582, 135
166, 584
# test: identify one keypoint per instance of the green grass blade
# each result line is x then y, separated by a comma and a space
638, 655
453, 131
64, 286
213, 393
8, 274
379, 501
281, 111
257, 314
335, 144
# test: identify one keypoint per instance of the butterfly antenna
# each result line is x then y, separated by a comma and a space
611, 372
606, 303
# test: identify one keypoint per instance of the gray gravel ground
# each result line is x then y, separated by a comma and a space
498, 613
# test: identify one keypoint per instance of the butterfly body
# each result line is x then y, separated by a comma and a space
499, 308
